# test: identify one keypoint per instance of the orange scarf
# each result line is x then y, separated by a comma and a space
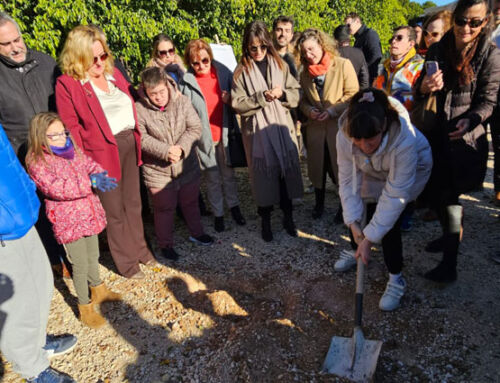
320, 69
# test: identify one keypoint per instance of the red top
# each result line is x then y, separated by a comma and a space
209, 85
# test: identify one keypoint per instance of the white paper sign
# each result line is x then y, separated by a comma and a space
224, 54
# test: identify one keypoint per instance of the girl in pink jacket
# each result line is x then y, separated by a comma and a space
67, 178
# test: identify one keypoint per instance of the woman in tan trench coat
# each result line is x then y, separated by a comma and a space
263, 92
328, 82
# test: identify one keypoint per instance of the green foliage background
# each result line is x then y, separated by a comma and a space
130, 25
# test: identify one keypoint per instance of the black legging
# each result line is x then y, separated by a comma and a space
392, 245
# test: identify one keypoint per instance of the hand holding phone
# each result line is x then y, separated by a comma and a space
431, 67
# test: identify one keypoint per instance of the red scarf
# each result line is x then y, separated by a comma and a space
320, 69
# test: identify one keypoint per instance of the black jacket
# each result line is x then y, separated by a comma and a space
368, 41
460, 165
358, 61
26, 89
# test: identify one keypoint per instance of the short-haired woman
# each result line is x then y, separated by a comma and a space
94, 102
384, 163
263, 92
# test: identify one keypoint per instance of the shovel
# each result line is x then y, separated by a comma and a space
354, 358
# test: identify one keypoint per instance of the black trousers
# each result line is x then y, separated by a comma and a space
285, 202
392, 245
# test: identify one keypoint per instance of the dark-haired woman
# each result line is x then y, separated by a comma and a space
466, 86
381, 158
263, 92
328, 82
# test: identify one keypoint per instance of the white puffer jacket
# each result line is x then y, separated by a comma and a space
394, 175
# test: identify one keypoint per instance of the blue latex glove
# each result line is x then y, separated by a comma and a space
102, 182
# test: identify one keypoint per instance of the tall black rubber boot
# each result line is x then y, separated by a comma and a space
446, 270
288, 224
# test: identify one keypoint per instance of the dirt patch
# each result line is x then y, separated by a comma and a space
244, 310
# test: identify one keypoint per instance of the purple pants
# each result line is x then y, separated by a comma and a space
164, 202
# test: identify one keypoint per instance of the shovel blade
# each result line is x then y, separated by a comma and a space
339, 360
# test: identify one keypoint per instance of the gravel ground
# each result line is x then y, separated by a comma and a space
244, 310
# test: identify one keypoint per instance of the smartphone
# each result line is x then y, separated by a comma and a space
431, 67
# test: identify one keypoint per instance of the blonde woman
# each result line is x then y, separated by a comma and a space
95, 104
328, 82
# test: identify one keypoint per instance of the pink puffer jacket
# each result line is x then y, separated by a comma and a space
71, 205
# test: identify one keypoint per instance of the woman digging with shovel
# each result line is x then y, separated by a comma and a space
381, 158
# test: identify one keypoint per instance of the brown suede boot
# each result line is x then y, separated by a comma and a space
90, 317
101, 293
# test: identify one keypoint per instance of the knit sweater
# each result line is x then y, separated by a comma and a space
209, 85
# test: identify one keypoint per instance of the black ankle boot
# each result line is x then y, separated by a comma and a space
237, 216
289, 225
219, 224
319, 207
265, 214
339, 218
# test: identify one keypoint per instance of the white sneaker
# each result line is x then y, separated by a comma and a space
392, 295
346, 261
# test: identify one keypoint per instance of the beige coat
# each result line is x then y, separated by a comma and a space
178, 124
247, 105
341, 83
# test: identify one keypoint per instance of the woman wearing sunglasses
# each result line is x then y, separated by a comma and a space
214, 80
163, 56
95, 104
433, 29
263, 92
466, 86
328, 82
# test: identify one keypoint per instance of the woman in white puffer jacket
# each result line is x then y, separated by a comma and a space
384, 161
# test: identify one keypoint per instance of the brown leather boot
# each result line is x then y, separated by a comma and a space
90, 317
101, 293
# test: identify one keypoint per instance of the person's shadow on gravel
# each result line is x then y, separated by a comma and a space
215, 303
142, 336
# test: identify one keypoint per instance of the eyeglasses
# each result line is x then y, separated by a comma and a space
204, 61
55, 136
433, 34
397, 38
255, 48
102, 57
170, 52
473, 23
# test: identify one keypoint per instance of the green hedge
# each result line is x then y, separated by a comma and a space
131, 24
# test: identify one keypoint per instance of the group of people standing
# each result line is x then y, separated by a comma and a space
364, 123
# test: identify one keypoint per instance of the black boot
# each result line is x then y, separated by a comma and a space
446, 270
237, 216
288, 223
265, 214
319, 207
219, 224
435, 246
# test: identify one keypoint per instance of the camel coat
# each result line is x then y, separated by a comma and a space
341, 83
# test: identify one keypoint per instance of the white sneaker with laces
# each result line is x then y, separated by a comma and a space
346, 261
392, 295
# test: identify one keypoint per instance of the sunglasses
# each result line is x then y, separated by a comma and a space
103, 57
170, 51
397, 38
473, 23
255, 48
204, 61
433, 34
55, 136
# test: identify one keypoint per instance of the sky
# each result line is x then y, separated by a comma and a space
437, 2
